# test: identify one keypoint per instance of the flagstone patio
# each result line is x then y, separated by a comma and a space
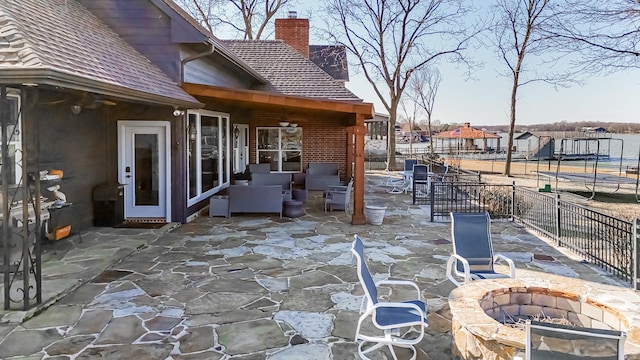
249, 287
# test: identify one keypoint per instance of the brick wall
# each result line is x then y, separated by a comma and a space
294, 32
323, 138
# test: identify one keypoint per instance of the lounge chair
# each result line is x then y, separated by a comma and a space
555, 341
409, 163
338, 197
394, 184
389, 317
473, 257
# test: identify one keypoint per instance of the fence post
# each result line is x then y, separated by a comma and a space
513, 201
558, 223
635, 257
433, 197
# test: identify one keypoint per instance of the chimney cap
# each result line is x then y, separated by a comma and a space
293, 14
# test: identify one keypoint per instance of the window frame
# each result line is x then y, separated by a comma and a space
223, 164
280, 149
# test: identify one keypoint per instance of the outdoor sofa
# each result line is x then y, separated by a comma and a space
321, 175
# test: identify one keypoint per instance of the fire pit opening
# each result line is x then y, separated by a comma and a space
512, 306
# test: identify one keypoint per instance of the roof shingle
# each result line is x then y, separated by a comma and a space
289, 72
64, 36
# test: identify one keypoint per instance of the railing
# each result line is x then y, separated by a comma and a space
606, 241
468, 196
600, 238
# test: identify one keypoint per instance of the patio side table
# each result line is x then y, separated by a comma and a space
219, 205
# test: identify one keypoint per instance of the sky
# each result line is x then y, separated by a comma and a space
485, 99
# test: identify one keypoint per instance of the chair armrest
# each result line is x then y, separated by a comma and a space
451, 268
512, 266
399, 282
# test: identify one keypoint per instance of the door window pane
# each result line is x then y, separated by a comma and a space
146, 163
209, 152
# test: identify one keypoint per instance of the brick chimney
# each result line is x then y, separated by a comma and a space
294, 32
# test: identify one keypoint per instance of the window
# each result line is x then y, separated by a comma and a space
14, 136
280, 147
208, 158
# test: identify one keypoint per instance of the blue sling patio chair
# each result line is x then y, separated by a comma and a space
473, 257
388, 317
550, 341
409, 163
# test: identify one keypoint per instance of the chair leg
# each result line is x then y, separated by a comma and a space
362, 353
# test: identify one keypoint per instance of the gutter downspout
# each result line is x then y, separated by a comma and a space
184, 61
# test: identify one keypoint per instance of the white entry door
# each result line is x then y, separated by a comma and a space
144, 168
240, 135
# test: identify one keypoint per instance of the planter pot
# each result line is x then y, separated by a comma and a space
374, 214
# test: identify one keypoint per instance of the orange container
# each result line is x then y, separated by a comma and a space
59, 233
56, 172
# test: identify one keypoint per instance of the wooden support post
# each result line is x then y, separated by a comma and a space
359, 130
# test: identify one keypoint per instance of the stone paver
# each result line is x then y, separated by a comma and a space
249, 287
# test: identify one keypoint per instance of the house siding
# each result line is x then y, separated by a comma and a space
85, 147
144, 26
208, 72
57, 141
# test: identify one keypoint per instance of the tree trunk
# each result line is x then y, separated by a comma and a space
430, 133
512, 114
391, 139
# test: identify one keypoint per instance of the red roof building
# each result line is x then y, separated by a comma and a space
463, 139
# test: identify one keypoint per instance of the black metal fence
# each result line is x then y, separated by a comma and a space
467, 196
601, 239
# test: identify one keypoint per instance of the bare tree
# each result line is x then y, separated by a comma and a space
391, 39
423, 89
524, 30
249, 19
606, 34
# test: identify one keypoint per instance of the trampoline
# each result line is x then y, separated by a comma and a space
591, 179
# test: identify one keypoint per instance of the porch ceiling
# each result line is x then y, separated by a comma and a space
267, 99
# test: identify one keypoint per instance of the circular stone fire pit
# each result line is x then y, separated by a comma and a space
481, 309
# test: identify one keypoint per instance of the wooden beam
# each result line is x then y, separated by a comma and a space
267, 98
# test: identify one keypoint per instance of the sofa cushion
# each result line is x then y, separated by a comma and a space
282, 179
259, 168
323, 169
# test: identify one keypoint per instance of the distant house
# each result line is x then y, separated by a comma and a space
464, 139
162, 113
593, 129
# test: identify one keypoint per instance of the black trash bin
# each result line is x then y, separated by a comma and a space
108, 204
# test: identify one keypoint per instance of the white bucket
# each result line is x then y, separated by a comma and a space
374, 214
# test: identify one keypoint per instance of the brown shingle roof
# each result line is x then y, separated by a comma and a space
289, 72
65, 38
